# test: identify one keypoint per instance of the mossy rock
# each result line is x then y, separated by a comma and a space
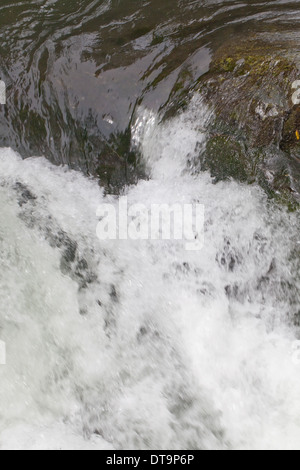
250, 85
226, 65
253, 125
254, 128
253, 65
225, 158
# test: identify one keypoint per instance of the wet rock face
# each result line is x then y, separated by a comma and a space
255, 135
291, 130
225, 158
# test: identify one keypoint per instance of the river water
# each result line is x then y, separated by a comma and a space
137, 344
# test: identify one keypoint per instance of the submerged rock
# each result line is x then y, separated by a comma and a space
255, 134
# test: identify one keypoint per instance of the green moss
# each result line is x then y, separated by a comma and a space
261, 65
286, 199
234, 116
225, 158
257, 64
225, 65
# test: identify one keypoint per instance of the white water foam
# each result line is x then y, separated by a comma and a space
142, 345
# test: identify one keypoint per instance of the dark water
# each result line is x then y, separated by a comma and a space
76, 70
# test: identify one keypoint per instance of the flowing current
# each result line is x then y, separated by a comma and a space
141, 344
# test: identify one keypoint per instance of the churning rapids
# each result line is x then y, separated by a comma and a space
143, 345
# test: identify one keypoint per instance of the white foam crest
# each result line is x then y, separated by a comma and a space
168, 147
